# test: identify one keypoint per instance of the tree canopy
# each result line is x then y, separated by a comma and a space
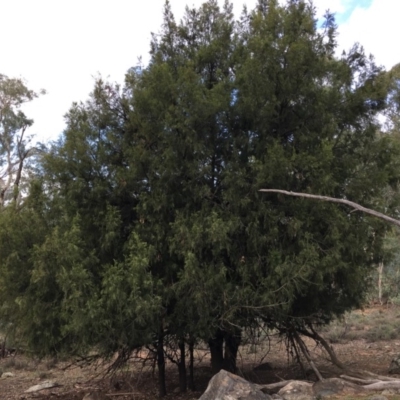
15, 144
151, 226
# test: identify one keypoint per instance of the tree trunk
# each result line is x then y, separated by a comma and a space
216, 350
162, 391
182, 367
191, 364
380, 274
18, 180
232, 343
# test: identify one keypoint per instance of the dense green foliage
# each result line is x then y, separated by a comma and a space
148, 220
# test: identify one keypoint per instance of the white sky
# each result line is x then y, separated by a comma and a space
60, 45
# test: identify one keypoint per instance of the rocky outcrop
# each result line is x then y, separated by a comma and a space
297, 390
336, 386
227, 386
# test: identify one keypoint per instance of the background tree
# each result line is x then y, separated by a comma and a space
15, 144
20, 229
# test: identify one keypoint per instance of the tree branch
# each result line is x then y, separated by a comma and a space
335, 200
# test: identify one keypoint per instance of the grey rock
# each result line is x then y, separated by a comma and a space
333, 386
7, 375
227, 386
276, 396
42, 386
297, 390
328, 387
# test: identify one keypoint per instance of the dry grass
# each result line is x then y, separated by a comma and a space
353, 336
372, 325
18, 364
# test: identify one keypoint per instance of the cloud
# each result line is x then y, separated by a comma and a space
60, 45
376, 28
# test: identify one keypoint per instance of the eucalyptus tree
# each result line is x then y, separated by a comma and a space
15, 143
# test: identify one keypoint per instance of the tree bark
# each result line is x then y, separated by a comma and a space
232, 343
162, 390
216, 350
191, 364
182, 367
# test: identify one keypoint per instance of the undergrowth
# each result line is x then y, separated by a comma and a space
372, 325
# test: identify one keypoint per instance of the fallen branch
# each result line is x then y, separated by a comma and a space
335, 200
358, 380
383, 385
272, 387
378, 377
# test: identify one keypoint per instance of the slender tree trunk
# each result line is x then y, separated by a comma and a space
17, 181
162, 390
3, 348
182, 367
380, 274
191, 364
232, 343
216, 350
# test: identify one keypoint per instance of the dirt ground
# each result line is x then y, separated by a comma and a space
138, 382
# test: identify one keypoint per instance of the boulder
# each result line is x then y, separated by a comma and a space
328, 387
297, 390
227, 386
336, 386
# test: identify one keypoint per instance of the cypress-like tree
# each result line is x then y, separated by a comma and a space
230, 108
156, 230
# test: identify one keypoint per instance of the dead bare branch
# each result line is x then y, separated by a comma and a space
335, 200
